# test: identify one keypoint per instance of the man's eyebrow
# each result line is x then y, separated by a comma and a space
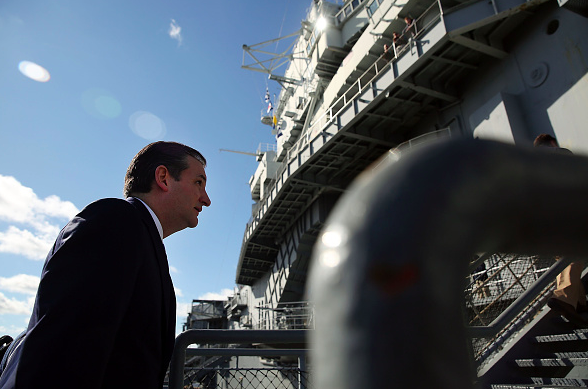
203, 177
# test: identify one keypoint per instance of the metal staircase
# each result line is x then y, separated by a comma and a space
550, 353
399, 304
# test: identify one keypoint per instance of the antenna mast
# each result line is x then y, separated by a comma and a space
259, 154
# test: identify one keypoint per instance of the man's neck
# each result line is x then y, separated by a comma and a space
153, 215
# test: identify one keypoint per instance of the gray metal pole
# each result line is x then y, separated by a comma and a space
388, 270
302, 373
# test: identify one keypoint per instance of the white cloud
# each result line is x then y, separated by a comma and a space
13, 330
20, 283
23, 284
173, 269
53, 206
175, 31
20, 205
182, 309
12, 306
217, 296
25, 243
178, 292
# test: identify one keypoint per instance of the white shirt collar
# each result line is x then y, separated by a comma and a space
155, 219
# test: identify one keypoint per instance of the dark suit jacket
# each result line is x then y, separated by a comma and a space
104, 316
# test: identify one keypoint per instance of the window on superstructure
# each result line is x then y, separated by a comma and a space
311, 42
301, 102
347, 10
313, 39
371, 8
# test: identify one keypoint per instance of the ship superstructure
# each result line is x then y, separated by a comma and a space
504, 69
368, 80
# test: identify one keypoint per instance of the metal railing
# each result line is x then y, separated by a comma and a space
502, 298
390, 277
348, 9
423, 23
396, 153
212, 367
286, 316
242, 378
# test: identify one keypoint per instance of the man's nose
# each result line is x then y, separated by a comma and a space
205, 200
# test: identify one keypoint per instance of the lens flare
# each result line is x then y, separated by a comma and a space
34, 71
147, 125
101, 104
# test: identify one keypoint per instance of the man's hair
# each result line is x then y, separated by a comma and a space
141, 172
545, 140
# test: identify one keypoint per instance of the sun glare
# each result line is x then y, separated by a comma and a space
34, 71
321, 23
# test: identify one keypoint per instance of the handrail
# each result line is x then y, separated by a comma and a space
492, 309
373, 69
186, 338
347, 10
501, 330
388, 270
520, 303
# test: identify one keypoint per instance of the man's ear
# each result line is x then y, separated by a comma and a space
162, 178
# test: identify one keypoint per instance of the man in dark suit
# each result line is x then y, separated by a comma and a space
104, 315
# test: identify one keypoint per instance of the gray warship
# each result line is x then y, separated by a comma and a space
364, 83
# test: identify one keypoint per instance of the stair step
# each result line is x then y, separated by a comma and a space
546, 383
569, 354
570, 382
515, 386
552, 362
578, 334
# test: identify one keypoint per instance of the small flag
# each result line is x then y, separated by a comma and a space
267, 95
274, 122
269, 107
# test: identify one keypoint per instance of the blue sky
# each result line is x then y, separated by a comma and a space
124, 74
